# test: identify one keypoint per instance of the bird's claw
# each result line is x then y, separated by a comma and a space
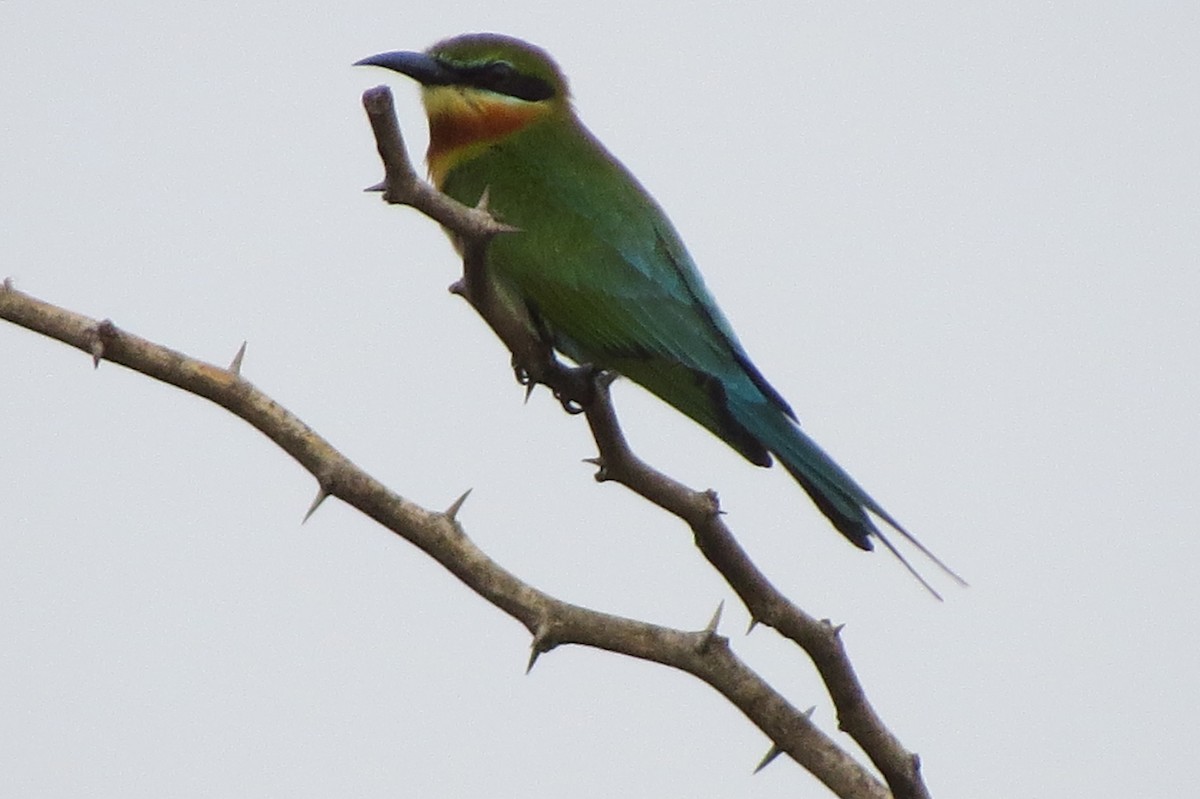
523, 376
573, 405
569, 404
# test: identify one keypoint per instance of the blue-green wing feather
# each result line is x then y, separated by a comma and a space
601, 267
603, 271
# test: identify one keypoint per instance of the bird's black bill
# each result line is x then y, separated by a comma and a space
424, 69
493, 76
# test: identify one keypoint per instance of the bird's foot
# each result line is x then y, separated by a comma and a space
573, 387
569, 404
523, 376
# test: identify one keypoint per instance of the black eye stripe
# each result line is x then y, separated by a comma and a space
503, 78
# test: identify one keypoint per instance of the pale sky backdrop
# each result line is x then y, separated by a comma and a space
963, 243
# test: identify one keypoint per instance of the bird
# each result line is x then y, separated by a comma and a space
598, 270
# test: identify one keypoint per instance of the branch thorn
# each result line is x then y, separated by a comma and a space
380, 186
236, 365
771, 754
455, 506
539, 645
321, 496
709, 633
601, 468
716, 618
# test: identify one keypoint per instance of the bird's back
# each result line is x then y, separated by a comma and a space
602, 269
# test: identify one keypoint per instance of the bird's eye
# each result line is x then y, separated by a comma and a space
498, 76
503, 78
500, 71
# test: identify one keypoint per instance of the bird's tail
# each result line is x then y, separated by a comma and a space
834, 491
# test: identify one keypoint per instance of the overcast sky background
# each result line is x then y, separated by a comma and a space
963, 243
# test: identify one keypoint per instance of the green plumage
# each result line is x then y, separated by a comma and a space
605, 275
598, 267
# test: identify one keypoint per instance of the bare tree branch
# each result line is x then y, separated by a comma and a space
552, 622
617, 462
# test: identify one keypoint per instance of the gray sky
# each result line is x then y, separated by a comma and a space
962, 243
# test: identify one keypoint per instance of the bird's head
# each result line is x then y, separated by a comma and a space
479, 88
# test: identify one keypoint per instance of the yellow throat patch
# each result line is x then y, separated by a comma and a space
463, 121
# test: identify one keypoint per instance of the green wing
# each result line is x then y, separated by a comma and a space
602, 270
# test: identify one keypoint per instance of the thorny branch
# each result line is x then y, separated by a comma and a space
580, 388
552, 622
